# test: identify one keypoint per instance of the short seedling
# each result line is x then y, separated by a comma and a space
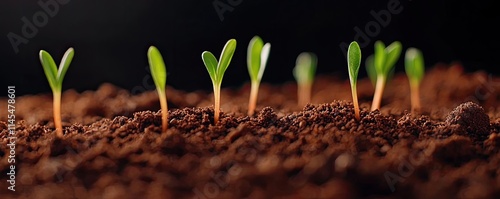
384, 61
304, 72
415, 70
216, 71
55, 76
159, 73
353, 62
257, 55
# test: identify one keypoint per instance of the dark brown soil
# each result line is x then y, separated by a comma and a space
113, 148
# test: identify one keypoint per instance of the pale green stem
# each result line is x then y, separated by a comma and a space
379, 91
355, 101
164, 109
254, 91
57, 113
304, 93
217, 103
415, 97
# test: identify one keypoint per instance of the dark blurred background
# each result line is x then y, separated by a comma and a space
111, 37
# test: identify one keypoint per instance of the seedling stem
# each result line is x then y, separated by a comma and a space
57, 113
254, 90
379, 91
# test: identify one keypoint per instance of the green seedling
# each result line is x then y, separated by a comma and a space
257, 55
55, 76
216, 71
159, 73
353, 62
415, 70
384, 60
304, 72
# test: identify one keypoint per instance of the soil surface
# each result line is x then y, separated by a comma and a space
113, 146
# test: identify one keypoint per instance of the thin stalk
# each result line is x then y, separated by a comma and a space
164, 110
355, 102
304, 96
415, 98
254, 91
57, 113
379, 90
217, 103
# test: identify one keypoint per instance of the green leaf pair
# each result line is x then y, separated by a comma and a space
257, 55
386, 57
216, 68
372, 74
55, 75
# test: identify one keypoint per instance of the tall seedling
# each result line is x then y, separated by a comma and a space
384, 61
353, 62
159, 73
257, 55
216, 71
55, 76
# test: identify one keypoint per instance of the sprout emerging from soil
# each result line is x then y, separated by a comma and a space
304, 71
384, 60
216, 70
257, 55
415, 70
353, 62
159, 73
55, 76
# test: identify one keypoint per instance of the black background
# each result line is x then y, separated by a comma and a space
111, 38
